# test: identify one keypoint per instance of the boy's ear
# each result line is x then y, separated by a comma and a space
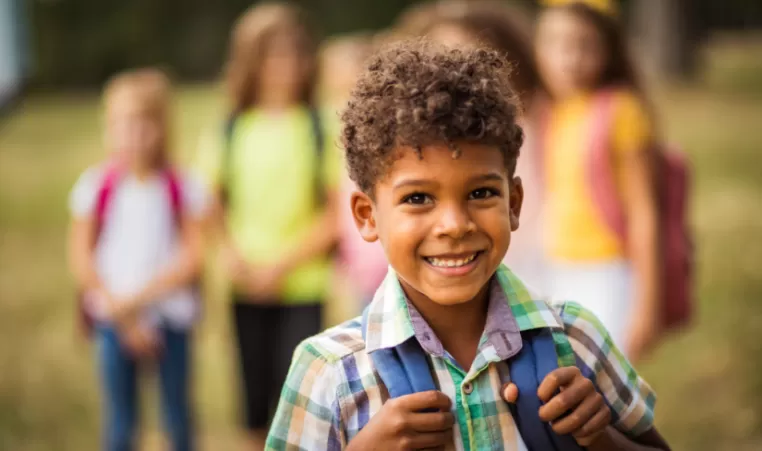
515, 201
362, 212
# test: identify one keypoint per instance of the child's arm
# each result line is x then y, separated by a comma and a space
613, 440
81, 256
585, 415
633, 139
320, 238
324, 233
82, 232
265, 282
185, 268
573, 406
643, 239
309, 412
629, 398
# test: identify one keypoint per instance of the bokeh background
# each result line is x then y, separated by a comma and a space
704, 60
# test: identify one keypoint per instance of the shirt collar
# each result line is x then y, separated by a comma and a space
392, 319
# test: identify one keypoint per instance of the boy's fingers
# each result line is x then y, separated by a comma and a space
567, 400
428, 440
510, 393
594, 427
558, 378
432, 399
432, 421
580, 416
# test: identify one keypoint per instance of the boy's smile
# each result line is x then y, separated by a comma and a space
445, 222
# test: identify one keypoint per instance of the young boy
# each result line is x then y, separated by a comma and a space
432, 142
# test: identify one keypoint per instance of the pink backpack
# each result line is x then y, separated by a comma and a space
103, 199
673, 189
364, 263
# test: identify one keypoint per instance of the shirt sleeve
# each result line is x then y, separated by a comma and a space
630, 398
83, 195
308, 414
633, 130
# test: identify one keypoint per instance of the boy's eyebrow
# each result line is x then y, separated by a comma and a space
412, 182
488, 177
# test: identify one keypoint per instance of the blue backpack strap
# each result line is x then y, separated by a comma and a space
536, 360
403, 369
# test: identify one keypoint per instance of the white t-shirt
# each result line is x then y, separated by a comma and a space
139, 238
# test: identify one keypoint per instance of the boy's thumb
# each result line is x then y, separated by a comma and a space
510, 393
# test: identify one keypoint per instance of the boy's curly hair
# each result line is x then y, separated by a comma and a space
416, 93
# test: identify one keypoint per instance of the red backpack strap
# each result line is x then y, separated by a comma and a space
105, 194
601, 170
103, 198
174, 187
540, 116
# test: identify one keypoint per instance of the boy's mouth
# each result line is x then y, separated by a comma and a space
454, 264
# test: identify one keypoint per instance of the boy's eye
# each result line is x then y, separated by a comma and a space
417, 199
483, 193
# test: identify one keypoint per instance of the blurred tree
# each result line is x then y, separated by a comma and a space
79, 43
667, 36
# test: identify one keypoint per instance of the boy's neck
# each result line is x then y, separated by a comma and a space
458, 327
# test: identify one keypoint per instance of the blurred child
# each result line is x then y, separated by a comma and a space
341, 59
596, 100
136, 251
361, 265
277, 194
504, 27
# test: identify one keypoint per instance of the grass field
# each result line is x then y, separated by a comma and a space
708, 379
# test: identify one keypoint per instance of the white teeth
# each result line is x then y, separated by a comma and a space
451, 263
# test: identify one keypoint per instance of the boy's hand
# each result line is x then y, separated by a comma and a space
588, 415
400, 425
572, 405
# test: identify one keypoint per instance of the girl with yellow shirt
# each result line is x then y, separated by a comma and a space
277, 196
584, 65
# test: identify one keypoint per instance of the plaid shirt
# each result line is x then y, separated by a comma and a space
332, 390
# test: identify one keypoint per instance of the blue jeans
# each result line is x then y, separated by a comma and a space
119, 374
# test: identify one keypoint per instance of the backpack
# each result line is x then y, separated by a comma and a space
404, 370
319, 143
673, 186
103, 199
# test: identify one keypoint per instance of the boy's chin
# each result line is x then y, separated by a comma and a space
452, 296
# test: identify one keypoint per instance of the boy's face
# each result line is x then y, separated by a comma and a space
445, 223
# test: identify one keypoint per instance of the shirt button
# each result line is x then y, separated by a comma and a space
468, 387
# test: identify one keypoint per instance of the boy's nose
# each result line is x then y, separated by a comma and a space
454, 222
